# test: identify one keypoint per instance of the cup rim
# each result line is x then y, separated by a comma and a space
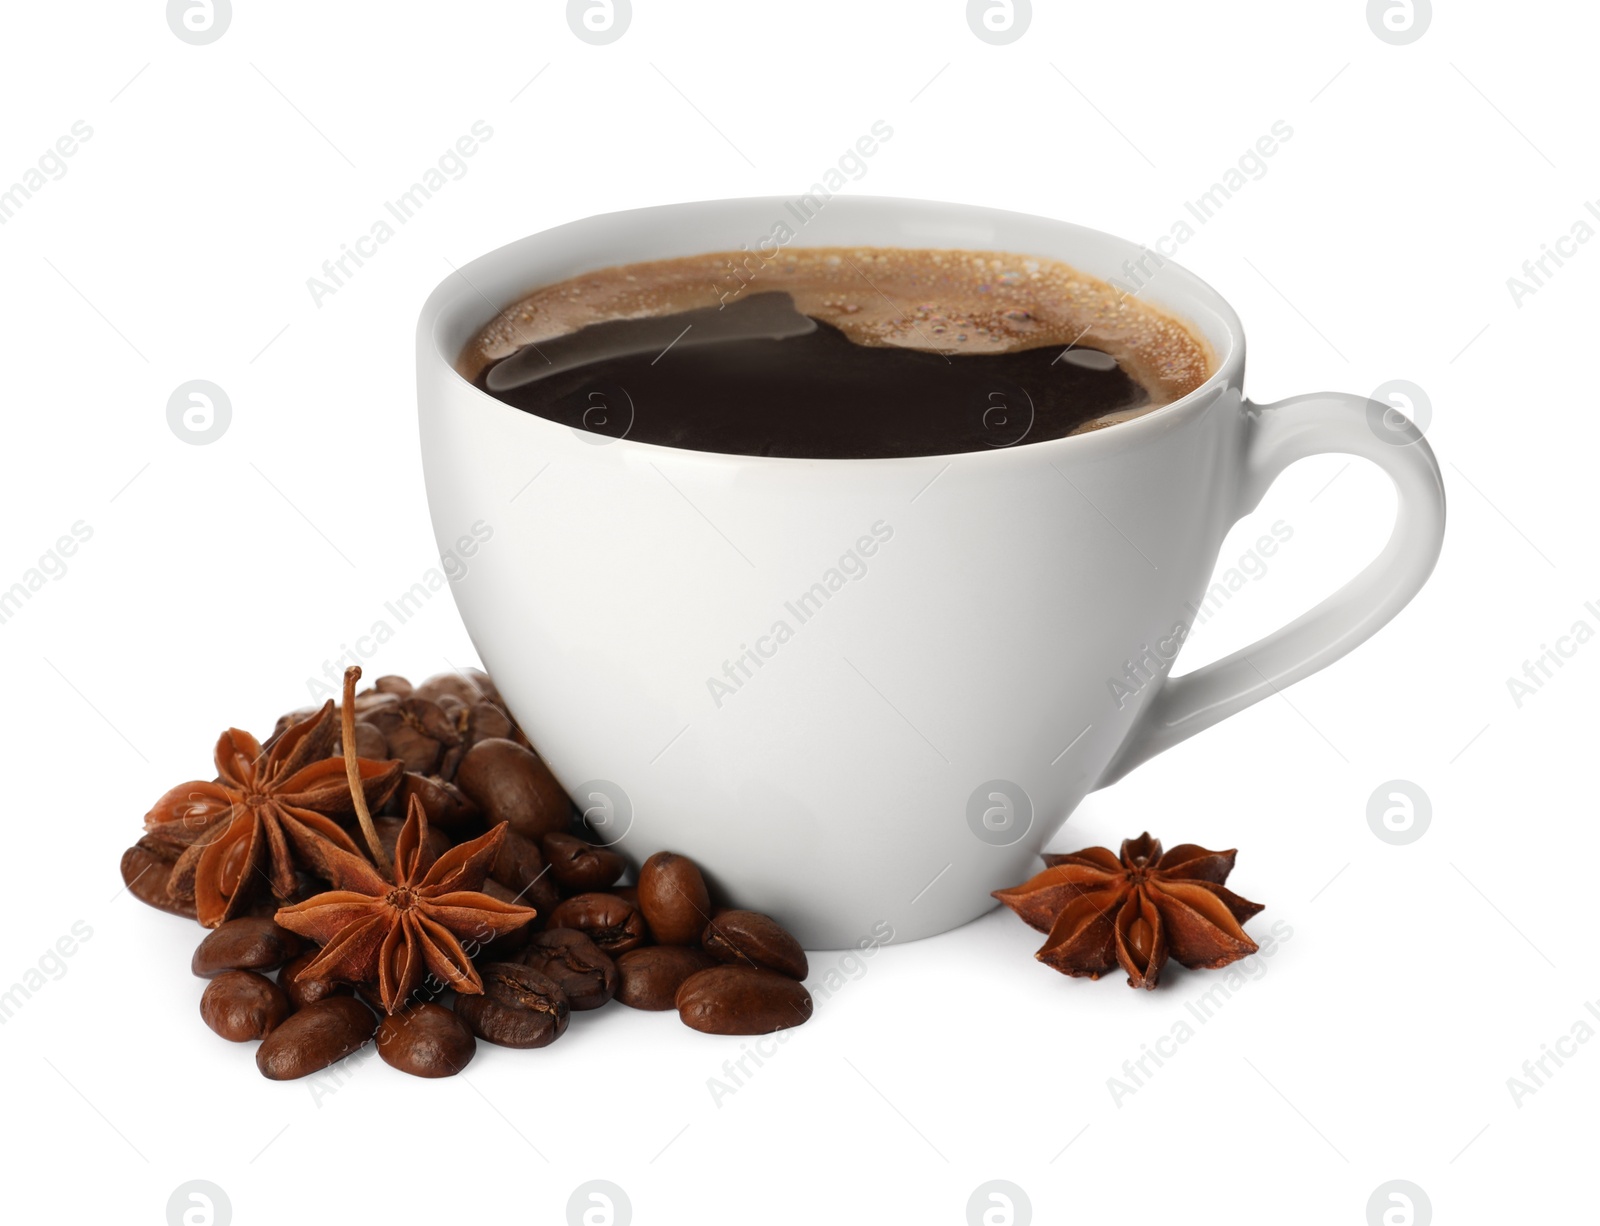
457, 293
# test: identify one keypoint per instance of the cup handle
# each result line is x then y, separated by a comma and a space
1278, 435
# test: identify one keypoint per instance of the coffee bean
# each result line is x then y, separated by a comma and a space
250, 943
303, 992
749, 938
426, 1041
391, 684
612, 923
405, 738
242, 1005
503, 948
370, 743
673, 897
521, 869
485, 720
315, 1037
450, 763
585, 973
518, 1007
578, 866
742, 1000
649, 978
145, 871
463, 687
513, 785
628, 893
445, 804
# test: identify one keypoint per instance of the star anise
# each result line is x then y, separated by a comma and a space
1101, 910
389, 933
269, 812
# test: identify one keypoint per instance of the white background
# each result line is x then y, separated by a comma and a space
1377, 1044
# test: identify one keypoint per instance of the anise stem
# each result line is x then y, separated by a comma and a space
352, 771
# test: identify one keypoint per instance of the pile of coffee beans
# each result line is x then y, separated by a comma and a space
658, 943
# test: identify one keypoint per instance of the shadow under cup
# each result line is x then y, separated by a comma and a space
858, 692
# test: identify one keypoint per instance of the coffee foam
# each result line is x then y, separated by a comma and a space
948, 301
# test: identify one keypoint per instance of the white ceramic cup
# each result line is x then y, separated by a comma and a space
973, 642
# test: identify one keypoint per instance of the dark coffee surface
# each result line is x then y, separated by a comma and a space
756, 377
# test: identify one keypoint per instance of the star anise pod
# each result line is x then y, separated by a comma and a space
269, 812
1101, 910
389, 933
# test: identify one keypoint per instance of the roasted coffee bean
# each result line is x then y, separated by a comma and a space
391, 684
521, 869
242, 1005
450, 763
431, 720
370, 743
315, 1037
673, 897
303, 992
628, 893
446, 805
513, 785
518, 1007
250, 943
612, 923
649, 978
742, 1000
146, 871
417, 732
578, 866
426, 1041
748, 938
485, 720
420, 753
464, 687
585, 973
504, 948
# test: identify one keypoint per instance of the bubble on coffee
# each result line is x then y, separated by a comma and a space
837, 353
